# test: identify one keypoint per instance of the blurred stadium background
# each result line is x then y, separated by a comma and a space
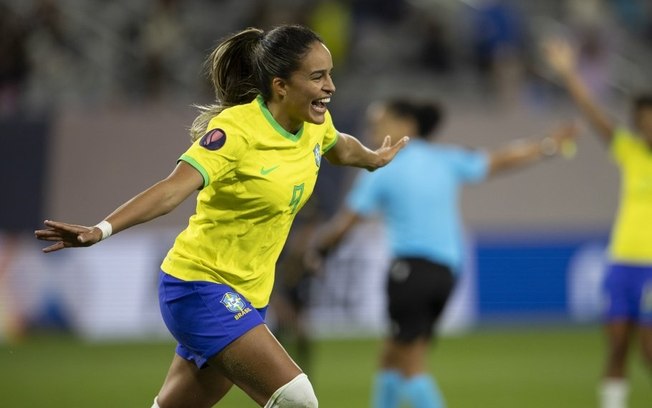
95, 101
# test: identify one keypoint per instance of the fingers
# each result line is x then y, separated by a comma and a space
63, 226
387, 143
312, 260
50, 238
54, 247
565, 131
399, 145
47, 235
65, 235
386, 152
566, 136
570, 131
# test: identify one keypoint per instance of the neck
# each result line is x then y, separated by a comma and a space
282, 119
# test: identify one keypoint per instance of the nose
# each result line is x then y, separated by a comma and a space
329, 86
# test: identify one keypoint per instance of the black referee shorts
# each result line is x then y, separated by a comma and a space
417, 292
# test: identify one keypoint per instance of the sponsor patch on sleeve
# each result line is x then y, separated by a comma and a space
213, 139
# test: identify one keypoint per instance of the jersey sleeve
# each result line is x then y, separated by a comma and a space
471, 166
365, 196
621, 144
331, 136
216, 154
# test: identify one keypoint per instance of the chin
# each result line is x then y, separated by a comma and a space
316, 118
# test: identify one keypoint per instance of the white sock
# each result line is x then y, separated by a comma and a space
155, 403
613, 393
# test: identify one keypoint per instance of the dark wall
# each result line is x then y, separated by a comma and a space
23, 146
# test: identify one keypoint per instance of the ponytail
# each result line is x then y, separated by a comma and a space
199, 125
231, 67
244, 65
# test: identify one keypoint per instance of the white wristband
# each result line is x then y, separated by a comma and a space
106, 229
548, 146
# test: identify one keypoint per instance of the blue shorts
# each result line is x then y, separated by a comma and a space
204, 317
628, 289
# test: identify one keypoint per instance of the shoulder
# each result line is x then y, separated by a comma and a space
240, 122
625, 138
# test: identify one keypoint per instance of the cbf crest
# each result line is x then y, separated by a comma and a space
317, 152
233, 302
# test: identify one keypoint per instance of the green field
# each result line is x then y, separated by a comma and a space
501, 368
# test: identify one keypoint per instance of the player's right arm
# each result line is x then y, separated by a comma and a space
561, 57
328, 236
521, 153
158, 200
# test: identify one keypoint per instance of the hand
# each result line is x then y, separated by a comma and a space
561, 140
386, 152
560, 56
313, 260
67, 235
565, 133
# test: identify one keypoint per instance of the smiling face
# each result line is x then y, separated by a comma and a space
303, 96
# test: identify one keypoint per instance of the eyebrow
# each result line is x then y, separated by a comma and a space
321, 71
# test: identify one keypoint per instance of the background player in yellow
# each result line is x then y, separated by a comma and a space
255, 159
628, 282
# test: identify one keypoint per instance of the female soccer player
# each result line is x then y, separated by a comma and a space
254, 159
628, 280
418, 198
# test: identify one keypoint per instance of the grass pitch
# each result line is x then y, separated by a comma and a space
533, 368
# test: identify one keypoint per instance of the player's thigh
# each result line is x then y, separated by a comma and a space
187, 386
257, 363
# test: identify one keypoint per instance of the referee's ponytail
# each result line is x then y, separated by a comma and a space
244, 65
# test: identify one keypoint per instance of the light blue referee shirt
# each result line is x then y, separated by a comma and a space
418, 194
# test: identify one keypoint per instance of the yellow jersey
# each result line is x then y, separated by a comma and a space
256, 177
631, 238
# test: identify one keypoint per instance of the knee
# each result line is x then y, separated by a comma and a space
298, 393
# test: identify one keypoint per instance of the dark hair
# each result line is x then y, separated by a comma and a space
426, 115
244, 64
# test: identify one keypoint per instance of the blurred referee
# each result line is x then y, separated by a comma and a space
417, 196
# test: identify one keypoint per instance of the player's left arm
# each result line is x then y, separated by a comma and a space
348, 151
517, 154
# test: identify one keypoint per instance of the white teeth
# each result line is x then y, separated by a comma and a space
325, 100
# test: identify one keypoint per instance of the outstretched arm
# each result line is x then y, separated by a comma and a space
348, 151
562, 59
159, 199
521, 153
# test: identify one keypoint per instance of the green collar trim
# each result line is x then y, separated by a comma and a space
274, 123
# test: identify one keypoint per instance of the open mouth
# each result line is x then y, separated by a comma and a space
319, 105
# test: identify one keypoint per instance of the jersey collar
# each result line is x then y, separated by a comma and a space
268, 115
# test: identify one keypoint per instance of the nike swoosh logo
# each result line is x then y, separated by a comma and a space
265, 171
